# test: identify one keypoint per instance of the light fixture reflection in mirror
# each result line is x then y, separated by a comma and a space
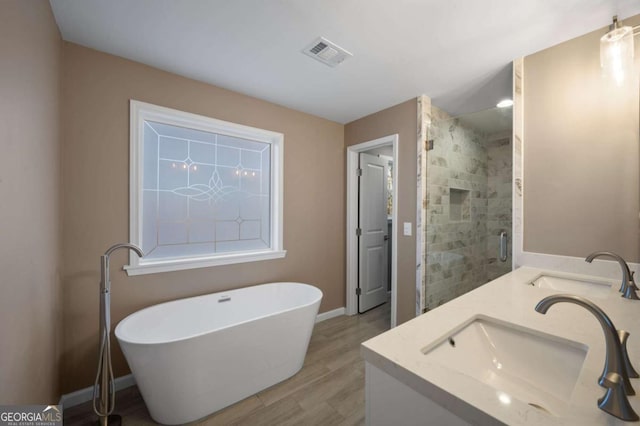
616, 52
504, 398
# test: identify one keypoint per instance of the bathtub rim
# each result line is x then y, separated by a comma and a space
318, 300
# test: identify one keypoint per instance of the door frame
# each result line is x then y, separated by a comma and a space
352, 223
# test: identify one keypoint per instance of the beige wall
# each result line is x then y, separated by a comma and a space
30, 319
581, 182
403, 120
96, 92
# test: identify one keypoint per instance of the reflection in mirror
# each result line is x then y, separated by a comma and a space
469, 207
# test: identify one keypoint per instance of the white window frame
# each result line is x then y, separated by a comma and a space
141, 112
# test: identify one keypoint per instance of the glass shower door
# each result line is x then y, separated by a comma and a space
468, 209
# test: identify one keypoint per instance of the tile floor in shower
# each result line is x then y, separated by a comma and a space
329, 390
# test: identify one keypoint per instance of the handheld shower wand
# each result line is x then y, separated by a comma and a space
103, 389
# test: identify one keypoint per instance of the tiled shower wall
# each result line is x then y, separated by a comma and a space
499, 160
467, 192
456, 240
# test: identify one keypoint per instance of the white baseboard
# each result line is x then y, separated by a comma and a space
83, 395
330, 314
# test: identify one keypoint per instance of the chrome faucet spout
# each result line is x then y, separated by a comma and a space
628, 287
616, 400
105, 280
115, 247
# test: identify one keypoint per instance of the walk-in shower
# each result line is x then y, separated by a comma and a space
469, 203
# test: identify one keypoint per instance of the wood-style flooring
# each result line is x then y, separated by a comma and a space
329, 390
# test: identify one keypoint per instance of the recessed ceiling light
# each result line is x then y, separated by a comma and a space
505, 103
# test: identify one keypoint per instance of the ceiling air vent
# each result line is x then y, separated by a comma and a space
326, 52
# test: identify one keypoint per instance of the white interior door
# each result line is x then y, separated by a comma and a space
372, 221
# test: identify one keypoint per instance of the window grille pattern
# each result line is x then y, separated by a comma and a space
203, 193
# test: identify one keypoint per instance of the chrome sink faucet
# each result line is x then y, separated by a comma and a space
628, 287
614, 375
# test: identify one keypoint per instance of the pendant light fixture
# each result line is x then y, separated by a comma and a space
616, 52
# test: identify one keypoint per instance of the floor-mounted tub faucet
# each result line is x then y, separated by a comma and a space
628, 287
614, 375
103, 388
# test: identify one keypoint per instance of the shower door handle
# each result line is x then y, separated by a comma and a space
503, 246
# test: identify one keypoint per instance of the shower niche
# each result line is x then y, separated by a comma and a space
468, 202
459, 206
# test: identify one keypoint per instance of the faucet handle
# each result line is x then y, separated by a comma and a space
629, 291
632, 282
615, 400
631, 372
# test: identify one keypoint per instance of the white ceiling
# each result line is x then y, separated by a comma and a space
455, 51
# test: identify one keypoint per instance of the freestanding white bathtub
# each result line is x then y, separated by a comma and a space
192, 357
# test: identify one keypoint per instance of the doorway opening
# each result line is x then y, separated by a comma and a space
372, 216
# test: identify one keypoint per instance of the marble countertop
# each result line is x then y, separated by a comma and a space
398, 352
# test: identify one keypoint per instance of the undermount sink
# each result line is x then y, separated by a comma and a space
536, 368
588, 288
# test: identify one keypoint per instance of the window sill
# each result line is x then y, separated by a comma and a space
193, 263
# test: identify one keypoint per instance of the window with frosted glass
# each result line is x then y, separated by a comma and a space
203, 193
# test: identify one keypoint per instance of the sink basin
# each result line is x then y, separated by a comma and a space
588, 288
536, 368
